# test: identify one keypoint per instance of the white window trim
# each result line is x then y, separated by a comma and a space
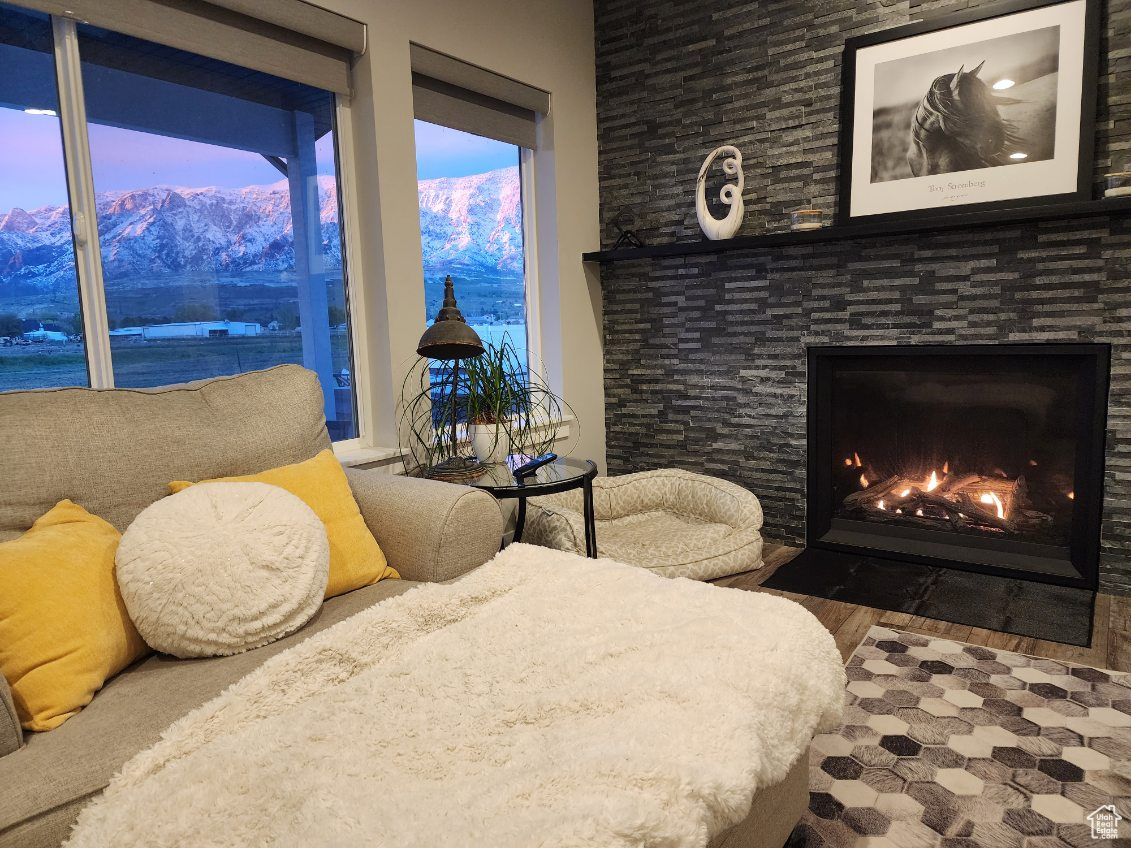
356, 305
84, 213
391, 457
528, 189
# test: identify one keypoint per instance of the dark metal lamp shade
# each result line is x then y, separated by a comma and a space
450, 337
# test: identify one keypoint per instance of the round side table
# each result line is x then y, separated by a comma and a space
561, 475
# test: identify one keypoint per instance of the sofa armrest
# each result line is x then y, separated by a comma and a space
429, 530
11, 734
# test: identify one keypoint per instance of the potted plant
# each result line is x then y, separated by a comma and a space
500, 406
501, 398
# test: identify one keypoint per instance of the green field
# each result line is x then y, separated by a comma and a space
140, 363
257, 297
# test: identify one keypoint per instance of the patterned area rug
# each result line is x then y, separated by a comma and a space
953, 745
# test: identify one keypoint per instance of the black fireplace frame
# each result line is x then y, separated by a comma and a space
1081, 565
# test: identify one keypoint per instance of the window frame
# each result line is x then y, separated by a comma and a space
356, 305
80, 197
527, 194
82, 203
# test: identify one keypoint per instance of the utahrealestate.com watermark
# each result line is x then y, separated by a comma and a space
1105, 822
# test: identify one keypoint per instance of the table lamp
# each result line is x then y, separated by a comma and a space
450, 339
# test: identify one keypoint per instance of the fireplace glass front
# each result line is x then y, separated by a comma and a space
986, 457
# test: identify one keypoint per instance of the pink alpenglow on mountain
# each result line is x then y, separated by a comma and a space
468, 224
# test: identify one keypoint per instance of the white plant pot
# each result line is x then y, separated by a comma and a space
489, 442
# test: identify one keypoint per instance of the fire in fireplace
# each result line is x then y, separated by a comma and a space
991, 502
981, 457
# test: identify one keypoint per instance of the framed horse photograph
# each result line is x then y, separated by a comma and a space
989, 109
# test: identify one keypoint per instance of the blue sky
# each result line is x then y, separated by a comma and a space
31, 166
442, 152
31, 161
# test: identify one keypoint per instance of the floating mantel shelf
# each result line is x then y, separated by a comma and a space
1047, 212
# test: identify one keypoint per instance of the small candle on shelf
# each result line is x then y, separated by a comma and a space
1118, 183
807, 218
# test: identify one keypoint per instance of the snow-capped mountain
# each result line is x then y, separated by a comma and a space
472, 223
469, 223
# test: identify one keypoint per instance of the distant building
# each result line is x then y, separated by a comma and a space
35, 331
190, 330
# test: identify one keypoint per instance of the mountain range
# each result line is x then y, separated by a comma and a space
470, 225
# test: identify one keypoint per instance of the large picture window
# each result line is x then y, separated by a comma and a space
218, 221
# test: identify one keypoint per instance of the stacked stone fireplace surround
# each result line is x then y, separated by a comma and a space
705, 355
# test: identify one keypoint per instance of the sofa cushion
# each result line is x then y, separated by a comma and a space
129, 715
63, 627
222, 568
114, 451
356, 559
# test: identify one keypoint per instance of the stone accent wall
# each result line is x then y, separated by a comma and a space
705, 356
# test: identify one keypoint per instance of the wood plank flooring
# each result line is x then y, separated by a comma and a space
1111, 628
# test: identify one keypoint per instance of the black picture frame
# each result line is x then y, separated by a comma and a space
997, 208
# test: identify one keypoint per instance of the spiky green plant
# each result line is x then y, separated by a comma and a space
494, 388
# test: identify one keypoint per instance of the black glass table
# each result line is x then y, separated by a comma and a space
560, 475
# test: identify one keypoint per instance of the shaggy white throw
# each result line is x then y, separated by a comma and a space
543, 700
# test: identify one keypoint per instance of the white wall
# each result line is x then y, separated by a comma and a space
544, 43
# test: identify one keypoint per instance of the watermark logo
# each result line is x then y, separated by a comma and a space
1105, 822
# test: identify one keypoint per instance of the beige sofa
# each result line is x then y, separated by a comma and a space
114, 452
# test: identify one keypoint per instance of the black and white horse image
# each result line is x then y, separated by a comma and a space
959, 126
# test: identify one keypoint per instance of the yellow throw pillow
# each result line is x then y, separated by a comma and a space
64, 630
356, 560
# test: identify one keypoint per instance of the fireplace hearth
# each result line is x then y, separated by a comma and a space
980, 457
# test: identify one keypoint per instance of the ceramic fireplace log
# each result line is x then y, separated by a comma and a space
982, 515
872, 493
956, 484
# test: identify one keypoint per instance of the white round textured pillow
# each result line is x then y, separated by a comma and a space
221, 568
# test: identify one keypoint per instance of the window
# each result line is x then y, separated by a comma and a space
471, 227
218, 222
41, 341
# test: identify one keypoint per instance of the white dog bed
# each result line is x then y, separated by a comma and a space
675, 523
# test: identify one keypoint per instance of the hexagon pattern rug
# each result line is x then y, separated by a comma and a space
958, 746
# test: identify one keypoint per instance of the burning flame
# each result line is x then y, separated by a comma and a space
933, 483
919, 513
880, 505
848, 462
1071, 496
991, 498
864, 481
856, 457
1033, 463
905, 493
946, 467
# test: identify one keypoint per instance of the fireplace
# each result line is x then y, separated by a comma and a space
981, 457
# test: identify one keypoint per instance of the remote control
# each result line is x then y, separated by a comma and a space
529, 468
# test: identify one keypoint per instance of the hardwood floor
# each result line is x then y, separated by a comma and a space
1111, 628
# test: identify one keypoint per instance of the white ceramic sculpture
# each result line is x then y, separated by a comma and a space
730, 194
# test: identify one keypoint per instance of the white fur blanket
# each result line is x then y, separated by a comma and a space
543, 700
